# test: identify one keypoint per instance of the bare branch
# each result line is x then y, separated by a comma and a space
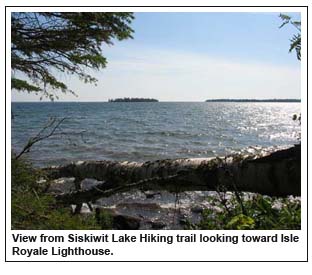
41, 136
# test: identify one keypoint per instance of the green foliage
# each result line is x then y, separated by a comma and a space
24, 178
32, 208
44, 43
22, 85
104, 218
295, 41
241, 222
261, 213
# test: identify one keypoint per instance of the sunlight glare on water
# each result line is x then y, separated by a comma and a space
150, 131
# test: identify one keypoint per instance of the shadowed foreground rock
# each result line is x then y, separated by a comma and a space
275, 174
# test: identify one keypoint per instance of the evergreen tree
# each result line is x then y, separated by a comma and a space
44, 43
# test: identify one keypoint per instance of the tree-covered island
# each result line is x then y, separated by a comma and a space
133, 99
287, 100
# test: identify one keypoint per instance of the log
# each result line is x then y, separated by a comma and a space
274, 174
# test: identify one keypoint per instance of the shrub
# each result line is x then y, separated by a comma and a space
33, 208
258, 212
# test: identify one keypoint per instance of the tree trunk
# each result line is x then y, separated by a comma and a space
277, 174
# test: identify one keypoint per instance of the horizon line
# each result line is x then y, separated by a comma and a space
205, 100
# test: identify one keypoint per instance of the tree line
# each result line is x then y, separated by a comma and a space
133, 99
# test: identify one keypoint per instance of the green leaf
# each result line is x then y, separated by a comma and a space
241, 222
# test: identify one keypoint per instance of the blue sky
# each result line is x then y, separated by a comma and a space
196, 56
248, 36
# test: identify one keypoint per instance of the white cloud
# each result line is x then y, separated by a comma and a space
177, 76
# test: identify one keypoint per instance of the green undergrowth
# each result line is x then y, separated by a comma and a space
256, 211
33, 208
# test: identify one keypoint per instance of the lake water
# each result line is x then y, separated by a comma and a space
151, 131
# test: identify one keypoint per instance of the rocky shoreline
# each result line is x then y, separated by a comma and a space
152, 208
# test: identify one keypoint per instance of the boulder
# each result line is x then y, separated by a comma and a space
125, 222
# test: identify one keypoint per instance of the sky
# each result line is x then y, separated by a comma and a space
194, 57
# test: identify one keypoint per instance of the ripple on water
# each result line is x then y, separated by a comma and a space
141, 132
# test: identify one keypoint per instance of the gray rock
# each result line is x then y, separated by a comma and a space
88, 184
125, 222
183, 219
61, 186
139, 205
158, 225
151, 194
198, 209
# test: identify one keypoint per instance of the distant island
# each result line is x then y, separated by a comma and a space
254, 100
133, 99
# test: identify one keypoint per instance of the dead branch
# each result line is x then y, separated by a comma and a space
41, 135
